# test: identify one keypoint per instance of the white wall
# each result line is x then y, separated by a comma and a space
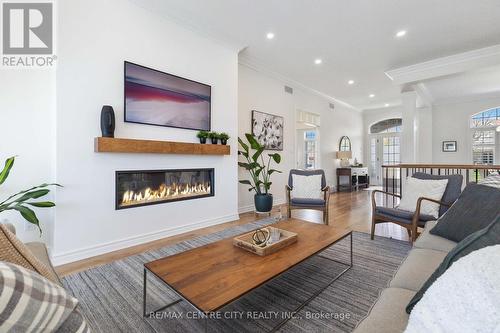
27, 130
258, 91
452, 122
95, 37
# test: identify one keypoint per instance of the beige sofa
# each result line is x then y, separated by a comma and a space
388, 314
31, 255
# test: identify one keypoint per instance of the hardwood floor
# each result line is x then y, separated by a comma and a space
347, 210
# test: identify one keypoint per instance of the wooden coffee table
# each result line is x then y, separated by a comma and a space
214, 275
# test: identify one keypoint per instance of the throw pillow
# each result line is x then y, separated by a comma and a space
474, 209
453, 189
478, 240
306, 187
31, 303
491, 180
465, 299
415, 188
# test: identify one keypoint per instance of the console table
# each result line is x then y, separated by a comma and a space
357, 177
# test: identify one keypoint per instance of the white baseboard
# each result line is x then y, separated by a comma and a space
251, 208
92, 251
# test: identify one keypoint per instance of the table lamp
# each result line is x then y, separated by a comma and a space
344, 157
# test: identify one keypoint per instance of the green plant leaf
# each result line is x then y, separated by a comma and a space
243, 145
257, 154
244, 153
276, 157
42, 204
246, 182
258, 171
32, 195
253, 142
28, 214
271, 171
9, 163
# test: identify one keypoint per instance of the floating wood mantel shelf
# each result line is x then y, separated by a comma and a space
115, 145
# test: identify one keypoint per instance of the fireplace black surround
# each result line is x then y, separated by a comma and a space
149, 187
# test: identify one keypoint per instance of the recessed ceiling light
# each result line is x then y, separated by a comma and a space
350, 82
270, 35
401, 33
372, 95
318, 61
386, 104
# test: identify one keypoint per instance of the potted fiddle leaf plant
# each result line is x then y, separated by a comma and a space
202, 135
214, 137
260, 171
21, 201
223, 138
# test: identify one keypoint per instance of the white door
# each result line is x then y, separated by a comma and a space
385, 149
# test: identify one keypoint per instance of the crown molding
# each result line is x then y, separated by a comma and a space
258, 66
457, 63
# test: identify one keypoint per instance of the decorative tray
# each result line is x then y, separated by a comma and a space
250, 242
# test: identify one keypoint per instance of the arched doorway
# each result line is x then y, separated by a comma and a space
385, 148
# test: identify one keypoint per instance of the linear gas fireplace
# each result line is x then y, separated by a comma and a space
149, 187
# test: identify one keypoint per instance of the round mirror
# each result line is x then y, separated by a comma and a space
345, 144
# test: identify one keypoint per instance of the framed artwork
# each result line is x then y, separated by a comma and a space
268, 130
157, 98
449, 146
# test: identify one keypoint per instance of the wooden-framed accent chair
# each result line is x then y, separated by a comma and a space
308, 203
413, 220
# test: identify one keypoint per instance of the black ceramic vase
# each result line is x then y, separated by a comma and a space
108, 121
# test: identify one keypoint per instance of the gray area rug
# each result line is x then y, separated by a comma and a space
111, 295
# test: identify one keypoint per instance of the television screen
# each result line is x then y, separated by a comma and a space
156, 98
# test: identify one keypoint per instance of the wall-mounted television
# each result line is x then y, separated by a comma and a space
157, 98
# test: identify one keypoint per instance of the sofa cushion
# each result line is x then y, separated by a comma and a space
387, 315
476, 207
453, 189
39, 250
399, 215
416, 269
478, 240
428, 241
307, 202
30, 302
14, 251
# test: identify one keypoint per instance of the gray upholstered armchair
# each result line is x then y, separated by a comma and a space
308, 203
412, 220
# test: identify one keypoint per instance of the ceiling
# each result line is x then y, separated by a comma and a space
355, 39
482, 82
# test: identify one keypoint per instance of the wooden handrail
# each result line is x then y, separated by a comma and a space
393, 174
443, 166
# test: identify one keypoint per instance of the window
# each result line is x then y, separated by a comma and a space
387, 126
484, 127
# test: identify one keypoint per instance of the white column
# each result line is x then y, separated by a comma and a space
410, 127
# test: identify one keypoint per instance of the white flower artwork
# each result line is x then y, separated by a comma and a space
268, 130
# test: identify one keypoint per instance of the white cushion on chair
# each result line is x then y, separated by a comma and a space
430, 188
306, 187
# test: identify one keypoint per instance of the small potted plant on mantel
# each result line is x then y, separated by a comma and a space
223, 138
260, 172
214, 137
202, 135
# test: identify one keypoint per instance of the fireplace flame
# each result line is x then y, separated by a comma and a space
164, 192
